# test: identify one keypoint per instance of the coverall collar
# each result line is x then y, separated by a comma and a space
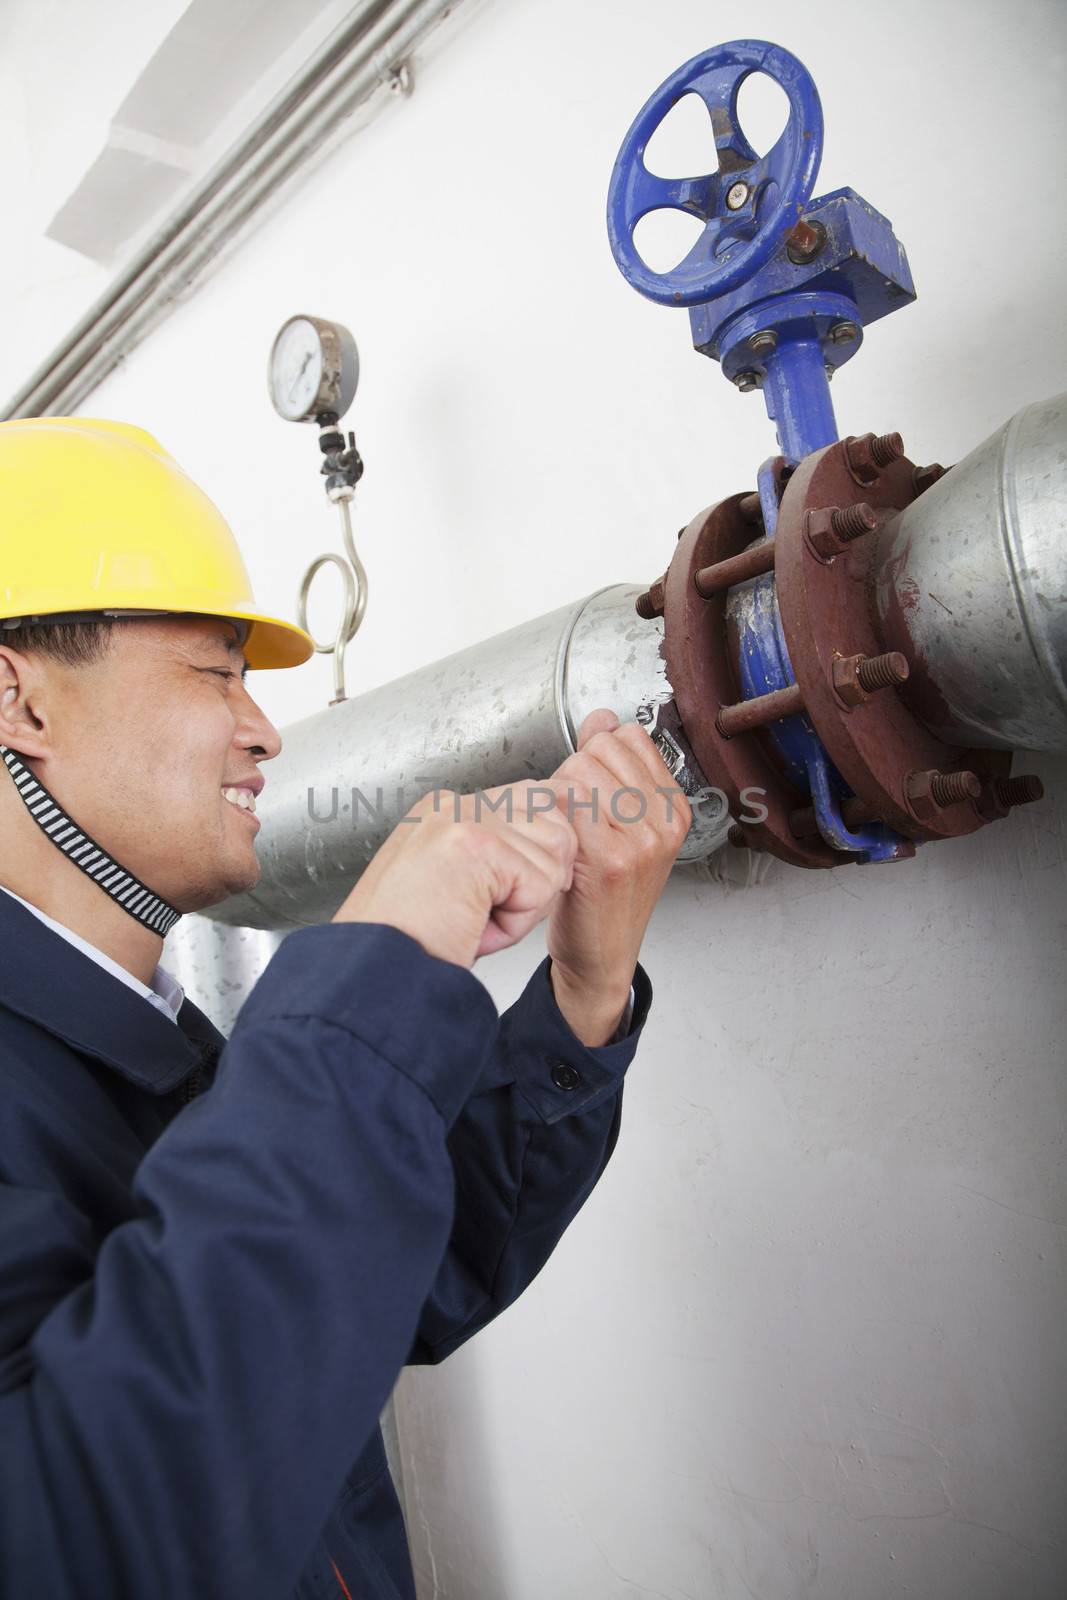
52, 983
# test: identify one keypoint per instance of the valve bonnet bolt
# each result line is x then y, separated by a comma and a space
843, 332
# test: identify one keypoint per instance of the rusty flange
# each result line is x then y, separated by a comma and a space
824, 585
704, 679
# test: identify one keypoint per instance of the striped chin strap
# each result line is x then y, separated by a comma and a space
126, 890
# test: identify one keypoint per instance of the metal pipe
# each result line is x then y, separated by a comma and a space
501, 711
359, 57
971, 586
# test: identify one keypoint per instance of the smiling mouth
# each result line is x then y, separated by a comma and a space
241, 800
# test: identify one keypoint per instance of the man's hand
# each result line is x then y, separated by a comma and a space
465, 879
596, 927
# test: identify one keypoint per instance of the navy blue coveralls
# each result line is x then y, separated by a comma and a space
202, 1315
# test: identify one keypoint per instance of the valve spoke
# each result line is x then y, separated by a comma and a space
708, 248
646, 193
718, 90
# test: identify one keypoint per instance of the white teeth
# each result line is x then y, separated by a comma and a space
243, 798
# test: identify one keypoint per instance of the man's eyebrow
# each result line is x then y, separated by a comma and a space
206, 641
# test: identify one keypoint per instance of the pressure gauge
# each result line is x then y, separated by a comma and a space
314, 370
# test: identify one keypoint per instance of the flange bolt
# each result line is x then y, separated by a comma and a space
849, 522
883, 672
924, 477
1020, 791
651, 603
929, 792
886, 448
949, 788
856, 677
870, 453
843, 332
945, 788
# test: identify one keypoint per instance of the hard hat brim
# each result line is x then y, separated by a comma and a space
268, 641
272, 643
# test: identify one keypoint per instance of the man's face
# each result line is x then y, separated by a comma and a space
145, 746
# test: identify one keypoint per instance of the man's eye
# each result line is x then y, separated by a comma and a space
222, 672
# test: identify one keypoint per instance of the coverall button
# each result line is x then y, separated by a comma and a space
564, 1076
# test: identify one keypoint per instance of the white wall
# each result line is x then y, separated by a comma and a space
807, 1338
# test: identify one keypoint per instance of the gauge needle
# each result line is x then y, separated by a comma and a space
300, 374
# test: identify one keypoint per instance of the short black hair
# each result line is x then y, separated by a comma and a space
76, 644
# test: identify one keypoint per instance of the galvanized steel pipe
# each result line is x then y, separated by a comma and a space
972, 588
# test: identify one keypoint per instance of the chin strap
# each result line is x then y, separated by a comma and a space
126, 890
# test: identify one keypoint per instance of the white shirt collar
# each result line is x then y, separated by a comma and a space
165, 992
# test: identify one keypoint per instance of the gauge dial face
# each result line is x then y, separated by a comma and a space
314, 368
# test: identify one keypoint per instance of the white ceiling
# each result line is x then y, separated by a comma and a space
215, 66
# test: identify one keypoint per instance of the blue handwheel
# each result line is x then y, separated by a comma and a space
747, 204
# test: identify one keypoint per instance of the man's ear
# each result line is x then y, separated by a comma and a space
21, 683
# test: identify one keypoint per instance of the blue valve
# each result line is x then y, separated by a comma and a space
779, 288
747, 204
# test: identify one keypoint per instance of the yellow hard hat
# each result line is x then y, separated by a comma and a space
96, 516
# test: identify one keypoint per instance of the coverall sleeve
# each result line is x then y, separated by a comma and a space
527, 1149
179, 1416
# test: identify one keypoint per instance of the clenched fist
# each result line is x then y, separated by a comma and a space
469, 874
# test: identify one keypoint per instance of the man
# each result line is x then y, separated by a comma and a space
215, 1261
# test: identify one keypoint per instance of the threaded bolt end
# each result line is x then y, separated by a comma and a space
886, 448
1020, 791
949, 788
849, 522
882, 672
651, 604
